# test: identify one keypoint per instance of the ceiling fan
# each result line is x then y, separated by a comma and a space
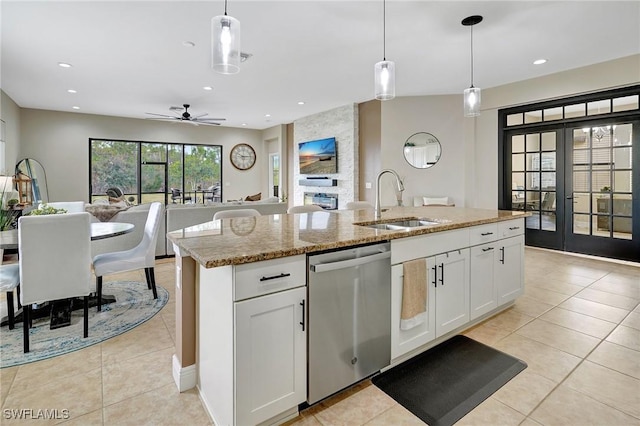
186, 116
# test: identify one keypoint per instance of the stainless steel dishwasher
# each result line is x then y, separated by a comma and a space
349, 317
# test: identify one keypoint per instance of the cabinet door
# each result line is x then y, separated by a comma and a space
483, 295
452, 290
403, 341
270, 343
510, 269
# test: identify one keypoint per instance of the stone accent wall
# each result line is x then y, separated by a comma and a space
341, 123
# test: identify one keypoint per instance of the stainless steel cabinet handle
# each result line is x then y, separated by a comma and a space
273, 277
484, 234
302, 322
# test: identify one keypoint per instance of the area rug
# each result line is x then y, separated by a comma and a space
446, 382
134, 305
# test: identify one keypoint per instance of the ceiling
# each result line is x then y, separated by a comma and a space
129, 57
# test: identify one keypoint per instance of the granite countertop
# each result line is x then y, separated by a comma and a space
251, 239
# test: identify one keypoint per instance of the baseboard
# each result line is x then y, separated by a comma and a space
185, 378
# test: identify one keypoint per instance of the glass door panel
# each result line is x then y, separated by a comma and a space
534, 173
600, 188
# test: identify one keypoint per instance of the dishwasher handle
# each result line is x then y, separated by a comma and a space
349, 263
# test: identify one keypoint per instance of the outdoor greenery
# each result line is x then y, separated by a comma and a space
44, 210
115, 163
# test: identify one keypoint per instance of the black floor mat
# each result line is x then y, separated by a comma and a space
444, 383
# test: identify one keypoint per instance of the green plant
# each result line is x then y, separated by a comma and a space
12, 202
45, 209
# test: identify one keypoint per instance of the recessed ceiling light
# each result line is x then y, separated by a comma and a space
208, 88
72, 91
188, 44
244, 124
539, 61
267, 115
301, 103
64, 65
75, 107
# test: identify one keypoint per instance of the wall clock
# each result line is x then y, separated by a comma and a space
242, 156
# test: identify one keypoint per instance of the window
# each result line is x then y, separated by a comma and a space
148, 171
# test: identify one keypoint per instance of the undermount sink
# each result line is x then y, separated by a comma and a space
404, 224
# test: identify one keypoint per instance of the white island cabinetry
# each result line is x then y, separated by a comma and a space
257, 324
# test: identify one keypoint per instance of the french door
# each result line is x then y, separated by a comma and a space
576, 180
600, 203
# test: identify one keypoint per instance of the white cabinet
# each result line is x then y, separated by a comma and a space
497, 269
510, 269
447, 287
270, 342
403, 341
252, 340
483, 287
451, 275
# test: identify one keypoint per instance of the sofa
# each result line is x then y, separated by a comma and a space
175, 216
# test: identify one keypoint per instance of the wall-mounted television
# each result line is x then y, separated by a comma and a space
318, 157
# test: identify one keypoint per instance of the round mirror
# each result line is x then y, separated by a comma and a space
422, 150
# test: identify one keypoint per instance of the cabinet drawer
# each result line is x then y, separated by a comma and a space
269, 276
483, 234
511, 228
403, 249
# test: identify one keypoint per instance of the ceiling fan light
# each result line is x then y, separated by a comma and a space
225, 44
472, 99
385, 80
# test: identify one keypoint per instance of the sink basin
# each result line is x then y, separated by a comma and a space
403, 224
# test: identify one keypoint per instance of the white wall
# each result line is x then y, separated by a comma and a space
442, 117
60, 141
482, 138
341, 123
10, 114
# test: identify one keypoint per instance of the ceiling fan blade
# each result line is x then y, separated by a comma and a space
161, 115
168, 118
209, 119
201, 115
206, 123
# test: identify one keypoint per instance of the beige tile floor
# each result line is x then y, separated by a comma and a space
577, 327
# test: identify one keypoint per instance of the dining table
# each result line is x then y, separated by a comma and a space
60, 314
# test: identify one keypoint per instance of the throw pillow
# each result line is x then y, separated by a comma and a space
255, 197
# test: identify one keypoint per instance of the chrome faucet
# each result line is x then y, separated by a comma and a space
378, 209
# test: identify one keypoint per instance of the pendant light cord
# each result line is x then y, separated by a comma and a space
471, 27
225, 7
384, 30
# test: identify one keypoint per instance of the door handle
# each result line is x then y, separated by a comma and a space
302, 322
502, 255
435, 276
441, 279
569, 197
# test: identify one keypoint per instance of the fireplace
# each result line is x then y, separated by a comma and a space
326, 201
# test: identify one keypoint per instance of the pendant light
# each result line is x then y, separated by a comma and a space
472, 96
225, 43
385, 71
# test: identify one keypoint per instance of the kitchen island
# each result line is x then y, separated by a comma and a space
241, 296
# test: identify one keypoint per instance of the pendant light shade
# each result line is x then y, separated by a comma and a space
472, 95
385, 71
385, 78
225, 43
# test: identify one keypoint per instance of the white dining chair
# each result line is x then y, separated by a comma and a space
55, 262
141, 256
358, 205
307, 208
224, 214
69, 206
10, 280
